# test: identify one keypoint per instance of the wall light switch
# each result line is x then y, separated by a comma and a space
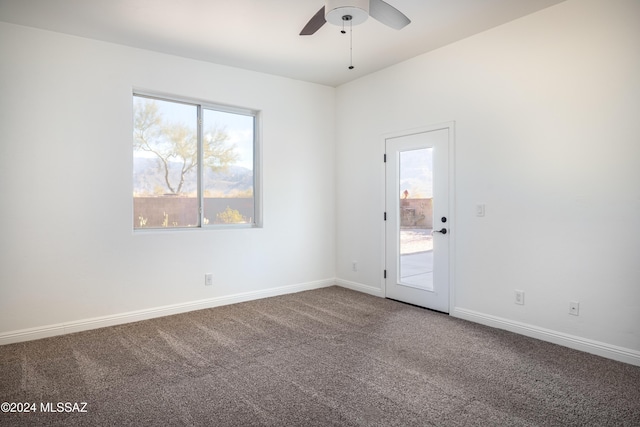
480, 210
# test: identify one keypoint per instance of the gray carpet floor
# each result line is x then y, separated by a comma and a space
317, 358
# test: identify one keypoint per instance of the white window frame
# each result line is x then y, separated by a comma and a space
257, 158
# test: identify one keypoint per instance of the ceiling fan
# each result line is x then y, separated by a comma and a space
353, 12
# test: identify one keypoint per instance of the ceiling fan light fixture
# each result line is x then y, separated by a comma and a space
335, 10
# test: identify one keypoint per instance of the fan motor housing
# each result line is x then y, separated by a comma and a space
336, 10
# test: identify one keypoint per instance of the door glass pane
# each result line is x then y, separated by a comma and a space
165, 164
416, 218
228, 168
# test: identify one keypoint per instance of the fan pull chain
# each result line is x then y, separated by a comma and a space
349, 18
351, 45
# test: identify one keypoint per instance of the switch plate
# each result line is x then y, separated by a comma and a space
208, 279
480, 210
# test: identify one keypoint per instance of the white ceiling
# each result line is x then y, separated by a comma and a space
262, 35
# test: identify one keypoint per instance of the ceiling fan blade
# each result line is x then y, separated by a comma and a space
388, 14
314, 23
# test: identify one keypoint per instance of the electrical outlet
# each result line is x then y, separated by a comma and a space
354, 265
208, 279
574, 307
480, 210
519, 297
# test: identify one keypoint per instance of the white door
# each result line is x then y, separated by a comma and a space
418, 217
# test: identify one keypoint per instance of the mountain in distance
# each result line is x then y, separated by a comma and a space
148, 179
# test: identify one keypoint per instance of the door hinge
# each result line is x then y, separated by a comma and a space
385, 274
385, 216
385, 157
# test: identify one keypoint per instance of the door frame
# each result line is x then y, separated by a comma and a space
452, 232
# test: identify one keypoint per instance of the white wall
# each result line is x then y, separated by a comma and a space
547, 113
68, 249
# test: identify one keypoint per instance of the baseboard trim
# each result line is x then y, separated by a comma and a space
609, 351
355, 286
167, 310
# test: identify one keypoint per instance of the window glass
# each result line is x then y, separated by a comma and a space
193, 165
228, 168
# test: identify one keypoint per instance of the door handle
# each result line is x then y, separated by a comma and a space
443, 231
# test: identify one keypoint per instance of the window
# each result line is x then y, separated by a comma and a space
194, 164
